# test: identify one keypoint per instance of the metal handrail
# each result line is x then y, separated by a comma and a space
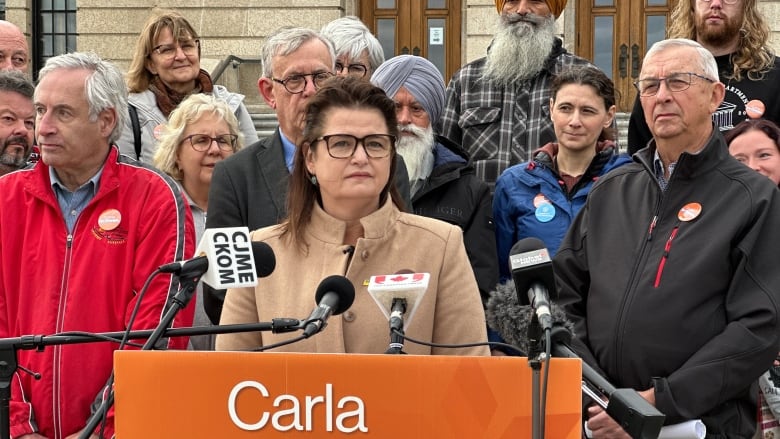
233, 61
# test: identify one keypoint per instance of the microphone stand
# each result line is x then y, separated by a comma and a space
9, 348
535, 360
639, 418
397, 311
189, 277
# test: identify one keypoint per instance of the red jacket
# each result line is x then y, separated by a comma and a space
52, 282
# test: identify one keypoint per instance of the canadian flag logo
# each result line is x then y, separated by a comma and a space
397, 279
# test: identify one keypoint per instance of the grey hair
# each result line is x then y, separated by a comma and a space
188, 112
104, 89
287, 40
17, 82
706, 60
351, 37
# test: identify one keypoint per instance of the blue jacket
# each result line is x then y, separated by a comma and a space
531, 200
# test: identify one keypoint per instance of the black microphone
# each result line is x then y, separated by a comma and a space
511, 320
335, 295
532, 272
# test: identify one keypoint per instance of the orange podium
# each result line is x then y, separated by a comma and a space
166, 394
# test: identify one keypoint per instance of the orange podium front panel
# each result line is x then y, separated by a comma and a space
181, 394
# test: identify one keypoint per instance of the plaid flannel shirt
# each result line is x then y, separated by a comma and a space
498, 126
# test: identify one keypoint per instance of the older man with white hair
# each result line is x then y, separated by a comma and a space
498, 106
443, 182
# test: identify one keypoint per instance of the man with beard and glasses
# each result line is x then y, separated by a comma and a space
17, 120
736, 33
443, 183
497, 107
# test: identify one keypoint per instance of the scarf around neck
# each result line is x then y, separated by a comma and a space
168, 100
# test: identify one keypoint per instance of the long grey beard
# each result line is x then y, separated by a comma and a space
519, 49
417, 151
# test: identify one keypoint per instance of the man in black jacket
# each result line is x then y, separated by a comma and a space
443, 182
669, 272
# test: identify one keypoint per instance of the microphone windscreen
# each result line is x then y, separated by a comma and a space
339, 285
265, 259
511, 320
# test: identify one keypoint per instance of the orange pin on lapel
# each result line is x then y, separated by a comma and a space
109, 219
689, 212
540, 199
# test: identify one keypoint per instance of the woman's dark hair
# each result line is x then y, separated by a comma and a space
765, 126
345, 92
596, 79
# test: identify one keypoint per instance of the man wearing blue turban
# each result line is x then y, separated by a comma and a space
442, 180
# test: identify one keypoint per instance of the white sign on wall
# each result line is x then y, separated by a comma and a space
436, 36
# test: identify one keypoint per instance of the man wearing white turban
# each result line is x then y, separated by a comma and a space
443, 183
497, 106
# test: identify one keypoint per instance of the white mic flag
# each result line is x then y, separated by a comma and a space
230, 256
411, 287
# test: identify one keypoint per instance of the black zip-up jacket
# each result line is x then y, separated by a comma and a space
453, 193
681, 298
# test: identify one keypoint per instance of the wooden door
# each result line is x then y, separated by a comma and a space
427, 28
615, 34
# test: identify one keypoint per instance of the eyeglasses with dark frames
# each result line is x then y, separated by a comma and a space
675, 82
202, 142
168, 51
358, 70
295, 84
343, 146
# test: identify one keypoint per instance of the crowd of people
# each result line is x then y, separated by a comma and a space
382, 166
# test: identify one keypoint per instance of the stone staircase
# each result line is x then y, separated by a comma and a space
621, 119
264, 119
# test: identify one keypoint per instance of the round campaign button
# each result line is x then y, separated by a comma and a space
755, 109
109, 219
540, 199
689, 212
158, 130
545, 212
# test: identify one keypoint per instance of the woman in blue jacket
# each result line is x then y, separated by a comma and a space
540, 198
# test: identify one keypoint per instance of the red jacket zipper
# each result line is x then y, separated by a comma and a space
667, 248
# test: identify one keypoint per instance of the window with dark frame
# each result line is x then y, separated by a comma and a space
54, 30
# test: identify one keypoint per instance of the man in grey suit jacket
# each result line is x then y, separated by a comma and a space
250, 187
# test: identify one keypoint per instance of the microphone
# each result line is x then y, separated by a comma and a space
511, 320
403, 286
227, 258
335, 295
532, 272
395, 294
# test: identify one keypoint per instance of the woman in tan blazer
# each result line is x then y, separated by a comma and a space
344, 218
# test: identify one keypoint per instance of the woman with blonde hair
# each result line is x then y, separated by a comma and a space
165, 70
201, 132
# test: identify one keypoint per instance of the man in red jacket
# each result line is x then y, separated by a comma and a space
79, 234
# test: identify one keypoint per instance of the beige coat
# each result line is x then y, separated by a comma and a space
450, 311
